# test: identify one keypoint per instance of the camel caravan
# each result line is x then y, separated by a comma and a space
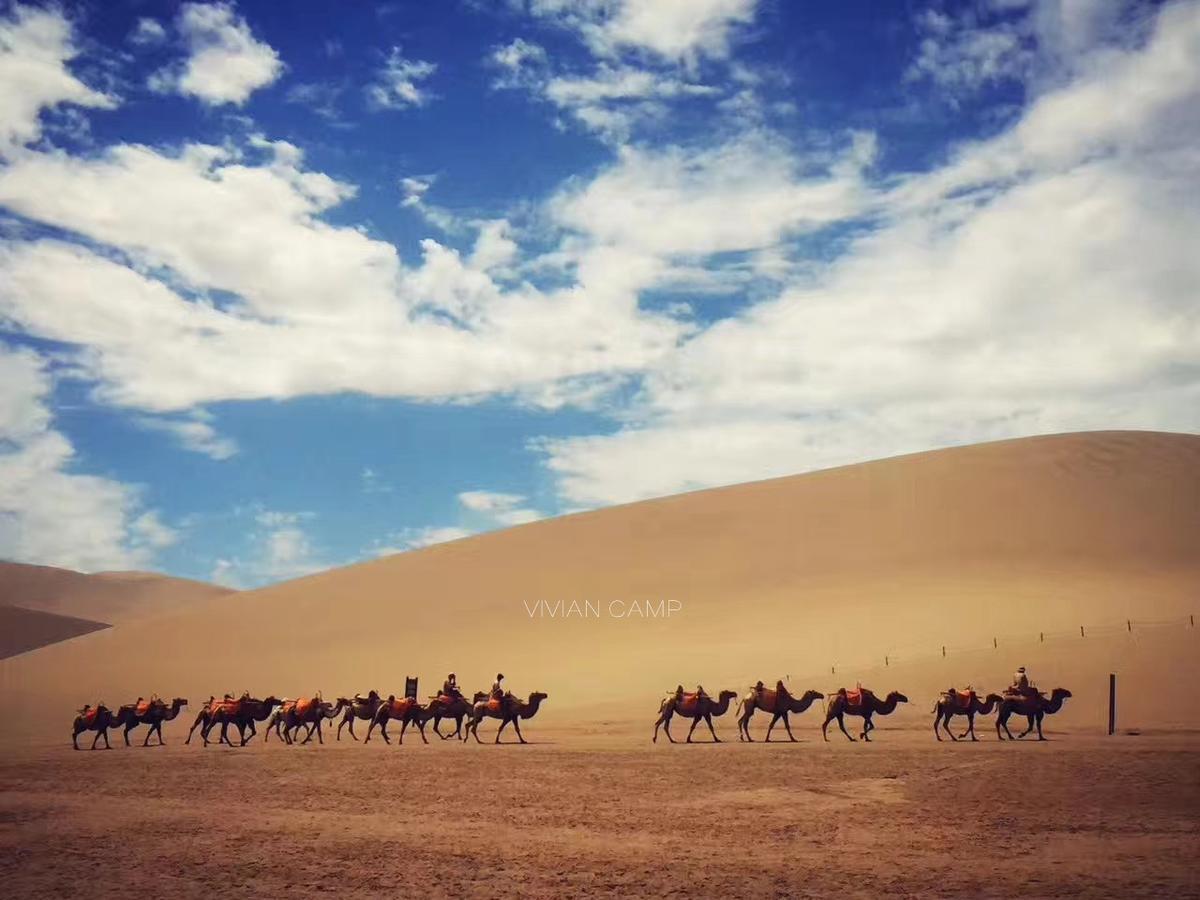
286, 718
1020, 698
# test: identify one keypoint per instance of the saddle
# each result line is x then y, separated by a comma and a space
144, 707
303, 705
495, 704
400, 707
228, 707
961, 699
855, 697
767, 698
89, 717
689, 703
446, 699
1029, 693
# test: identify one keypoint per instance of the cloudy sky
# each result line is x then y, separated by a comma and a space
290, 285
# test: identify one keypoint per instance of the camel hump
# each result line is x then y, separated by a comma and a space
144, 707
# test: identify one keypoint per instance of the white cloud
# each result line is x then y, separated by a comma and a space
279, 547
521, 64
676, 30
148, 33
49, 513
499, 508
35, 47
315, 308
745, 194
416, 538
1041, 281
397, 84
226, 63
194, 433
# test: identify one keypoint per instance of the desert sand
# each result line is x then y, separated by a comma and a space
108, 597
913, 573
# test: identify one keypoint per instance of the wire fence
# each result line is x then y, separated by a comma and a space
924, 653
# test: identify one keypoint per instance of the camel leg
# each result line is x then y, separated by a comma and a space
712, 731
520, 737
744, 726
774, 719
1028, 727
199, 719
937, 721
841, 720
128, 728
421, 728
1038, 720
437, 720
75, 739
971, 726
664, 719
695, 722
949, 719
503, 724
788, 728
403, 728
253, 731
473, 728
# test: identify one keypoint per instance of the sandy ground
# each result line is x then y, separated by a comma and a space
605, 813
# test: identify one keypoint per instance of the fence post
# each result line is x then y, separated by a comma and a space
943, 649
1041, 637
1112, 702
1081, 634
1129, 625
994, 644
885, 661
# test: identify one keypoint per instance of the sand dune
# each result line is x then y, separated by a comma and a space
109, 597
22, 630
791, 576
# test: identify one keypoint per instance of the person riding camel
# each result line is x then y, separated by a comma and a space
759, 687
498, 693
1021, 684
450, 687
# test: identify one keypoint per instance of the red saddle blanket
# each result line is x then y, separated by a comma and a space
446, 700
961, 699
401, 707
494, 704
228, 707
144, 707
687, 706
304, 705
89, 717
855, 697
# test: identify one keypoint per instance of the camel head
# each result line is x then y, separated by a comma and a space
897, 697
1060, 692
538, 697
993, 698
271, 702
727, 695
811, 695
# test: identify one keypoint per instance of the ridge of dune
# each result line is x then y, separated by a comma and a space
23, 630
106, 597
818, 576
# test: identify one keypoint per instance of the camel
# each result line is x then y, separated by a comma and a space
507, 709
860, 702
293, 714
947, 707
358, 708
155, 713
99, 719
243, 713
407, 710
779, 702
1033, 706
457, 708
695, 706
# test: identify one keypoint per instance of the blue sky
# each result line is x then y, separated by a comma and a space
286, 286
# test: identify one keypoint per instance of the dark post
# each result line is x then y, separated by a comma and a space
1112, 703
943, 649
1081, 634
994, 644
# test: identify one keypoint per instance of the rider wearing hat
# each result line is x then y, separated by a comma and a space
450, 686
